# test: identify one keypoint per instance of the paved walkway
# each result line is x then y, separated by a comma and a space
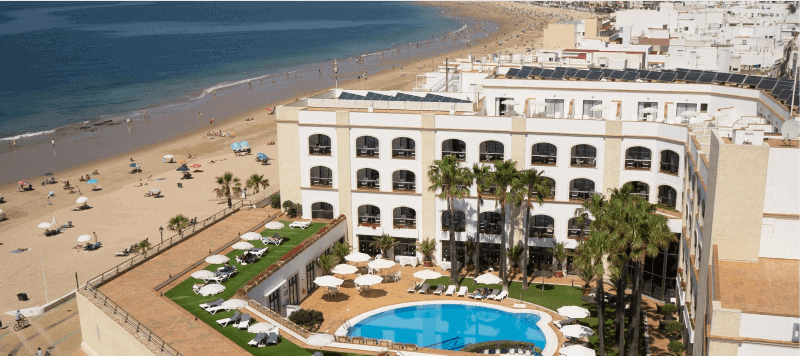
57, 332
133, 291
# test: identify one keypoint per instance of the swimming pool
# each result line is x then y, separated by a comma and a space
449, 326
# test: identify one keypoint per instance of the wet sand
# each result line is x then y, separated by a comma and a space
121, 215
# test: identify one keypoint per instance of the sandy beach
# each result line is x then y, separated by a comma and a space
121, 215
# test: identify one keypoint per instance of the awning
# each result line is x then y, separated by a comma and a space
275, 288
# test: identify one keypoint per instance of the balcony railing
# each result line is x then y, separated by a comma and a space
633, 163
669, 202
459, 226
494, 228
403, 153
583, 161
491, 156
366, 151
321, 182
580, 194
460, 155
319, 150
369, 219
541, 232
550, 195
645, 196
402, 185
405, 223
669, 168
543, 159
322, 214
366, 183
577, 232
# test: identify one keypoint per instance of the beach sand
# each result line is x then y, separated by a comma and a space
121, 215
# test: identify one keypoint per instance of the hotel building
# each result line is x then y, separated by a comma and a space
710, 154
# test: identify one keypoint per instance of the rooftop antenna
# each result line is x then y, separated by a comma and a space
790, 130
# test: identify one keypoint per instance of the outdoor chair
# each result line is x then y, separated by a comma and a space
462, 292
273, 338
450, 289
300, 224
562, 323
232, 319
244, 322
439, 289
424, 289
477, 294
258, 252
413, 288
495, 292
212, 304
501, 296
257, 340
214, 310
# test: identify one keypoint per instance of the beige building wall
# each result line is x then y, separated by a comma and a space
343, 171
611, 159
102, 335
592, 27
558, 36
428, 150
288, 153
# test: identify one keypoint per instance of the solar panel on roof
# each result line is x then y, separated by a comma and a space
595, 75
779, 88
721, 77
512, 72
607, 72
752, 80
558, 75
582, 74
630, 76
561, 69
667, 77
737, 78
631, 70
536, 71
682, 70
643, 73
654, 75
707, 77
767, 84
571, 72
618, 74
693, 75
680, 75
546, 73
524, 73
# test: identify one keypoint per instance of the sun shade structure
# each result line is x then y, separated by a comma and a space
357, 257
84, 238
249, 236
344, 269
241, 245
44, 225
155, 191
368, 280
217, 259
203, 274
82, 200
320, 340
260, 328
427, 274
381, 263
211, 289
274, 225
488, 278
234, 304
573, 311
576, 350
328, 281
576, 331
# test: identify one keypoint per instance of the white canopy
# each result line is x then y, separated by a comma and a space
576, 350
368, 280
155, 191
344, 269
488, 278
82, 200
168, 157
328, 281
688, 114
576, 331
249, 236
234, 304
45, 225
649, 110
211, 289
260, 328
509, 102
598, 108
381, 263
573, 311
427, 274
242, 245
320, 340
357, 257
203, 274
275, 225
84, 238
217, 259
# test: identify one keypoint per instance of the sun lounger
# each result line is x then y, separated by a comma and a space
123, 253
300, 224
462, 292
244, 322
273, 338
477, 294
562, 323
450, 289
501, 296
232, 319
439, 289
413, 288
258, 252
260, 337
424, 289
212, 304
494, 293
214, 310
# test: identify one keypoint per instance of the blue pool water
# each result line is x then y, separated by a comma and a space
449, 326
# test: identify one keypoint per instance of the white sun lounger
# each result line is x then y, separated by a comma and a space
214, 310
462, 292
260, 252
501, 296
413, 288
450, 289
439, 289
494, 293
232, 319
244, 322
301, 224
212, 304
257, 340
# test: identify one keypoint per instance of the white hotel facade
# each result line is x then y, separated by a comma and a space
729, 185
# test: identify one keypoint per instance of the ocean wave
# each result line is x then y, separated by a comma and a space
28, 134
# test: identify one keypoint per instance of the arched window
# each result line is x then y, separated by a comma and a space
542, 226
367, 146
368, 178
319, 144
638, 157
369, 215
641, 189
404, 180
667, 196
321, 210
490, 222
552, 194
543, 154
491, 151
574, 230
581, 188
460, 222
321, 176
404, 218
454, 147
583, 156
403, 147
669, 162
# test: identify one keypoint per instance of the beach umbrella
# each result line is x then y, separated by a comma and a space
217, 259
211, 289
244, 145
368, 280
274, 225
249, 236
573, 311
195, 165
598, 108
427, 274
183, 169
49, 174
649, 110
53, 222
357, 257
260, 328
23, 182
84, 238
168, 157
82, 200
234, 304
328, 281
203, 274
241, 245
576, 331
576, 350
509, 102
91, 181
235, 146
381, 263
44, 225
320, 340
488, 278
260, 154
344, 269
155, 191
688, 114
133, 165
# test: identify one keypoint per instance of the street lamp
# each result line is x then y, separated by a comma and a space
161, 230
336, 72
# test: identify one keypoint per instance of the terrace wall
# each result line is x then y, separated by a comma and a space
102, 335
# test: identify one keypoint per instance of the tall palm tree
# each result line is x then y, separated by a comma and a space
617, 210
228, 185
532, 182
590, 253
385, 243
453, 181
481, 175
507, 190
257, 181
178, 222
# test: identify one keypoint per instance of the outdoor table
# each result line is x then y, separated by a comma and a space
408, 260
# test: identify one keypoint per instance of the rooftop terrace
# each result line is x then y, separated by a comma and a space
771, 286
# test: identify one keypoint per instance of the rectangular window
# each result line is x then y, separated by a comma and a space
703, 107
587, 109
684, 107
405, 247
294, 292
554, 108
647, 110
274, 303
311, 273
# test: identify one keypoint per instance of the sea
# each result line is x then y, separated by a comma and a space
70, 67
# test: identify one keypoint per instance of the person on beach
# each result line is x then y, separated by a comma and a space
211, 121
48, 201
53, 142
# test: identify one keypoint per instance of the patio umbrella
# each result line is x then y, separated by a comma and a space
649, 111
249, 236
576, 350
241, 245
598, 108
488, 278
234, 304
217, 259
328, 281
167, 157
49, 174
427, 274
344, 269
203, 274
357, 257
84, 238
260, 154
235, 146
45, 225
82, 200
274, 225
155, 191
368, 280
92, 181
196, 165
183, 169
320, 340
211, 289
381, 263
573, 311
576, 331
23, 182
260, 328
244, 145
509, 102
688, 114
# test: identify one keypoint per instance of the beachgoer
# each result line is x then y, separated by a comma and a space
39, 352
211, 121
53, 142
48, 202
18, 317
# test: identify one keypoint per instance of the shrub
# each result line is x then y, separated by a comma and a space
673, 327
292, 209
276, 201
668, 309
676, 347
307, 318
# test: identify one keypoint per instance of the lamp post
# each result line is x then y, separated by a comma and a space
161, 230
336, 72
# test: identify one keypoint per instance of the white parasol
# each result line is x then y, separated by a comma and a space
488, 278
427, 274
249, 236
203, 274
344, 269
573, 311
82, 200
576, 331
45, 225
211, 289
260, 328
217, 259
275, 225
381, 263
650, 110
368, 280
242, 245
155, 191
168, 157
84, 238
598, 108
688, 114
509, 102
320, 340
357, 257
328, 281
234, 304
576, 350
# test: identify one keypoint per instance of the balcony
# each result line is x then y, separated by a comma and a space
586, 162
367, 152
403, 153
543, 160
669, 168
321, 182
404, 186
368, 184
637, 163
318, 150
575, 194
403, 222
542, 232
460, 155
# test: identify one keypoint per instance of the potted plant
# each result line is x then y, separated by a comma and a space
667, 311
683, 286
426, 247
514, 254
386, 244
559, 252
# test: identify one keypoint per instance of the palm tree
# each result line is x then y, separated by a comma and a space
454, 182
327, 262
257, 181
178, 222
533, 182
341, 249
481, 175
559, 252
426, 247
507, 189
385, 243
228, 185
